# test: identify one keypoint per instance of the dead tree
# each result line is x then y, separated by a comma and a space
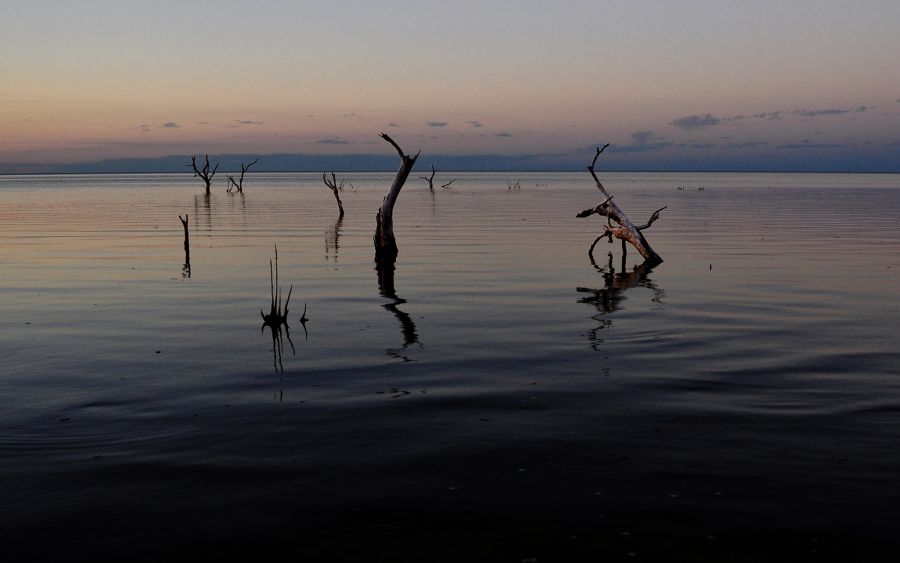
335, 188
430, 179
205, 174
385, 243
447, 185
239, 185
186, 270
625, 229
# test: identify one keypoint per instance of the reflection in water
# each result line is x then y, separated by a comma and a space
279, 332
609, 298
407, 326
186, 267
333, 240
207, 209
276, 320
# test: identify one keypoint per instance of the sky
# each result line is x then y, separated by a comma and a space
690, 85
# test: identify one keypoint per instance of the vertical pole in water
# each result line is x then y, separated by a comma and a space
187, 242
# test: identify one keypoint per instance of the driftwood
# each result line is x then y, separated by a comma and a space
335, 188
239, 185
430, 179
186, 270
385, 243
625, 230
447, 185
204, 173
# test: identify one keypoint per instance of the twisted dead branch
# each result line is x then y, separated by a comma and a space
625, 229
385, 242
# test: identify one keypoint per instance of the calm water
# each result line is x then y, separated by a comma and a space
510, 401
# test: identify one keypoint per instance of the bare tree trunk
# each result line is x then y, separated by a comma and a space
385, 243
626, 230
430, 179
205, 174
335, 188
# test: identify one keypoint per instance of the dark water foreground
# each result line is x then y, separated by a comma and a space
505, 400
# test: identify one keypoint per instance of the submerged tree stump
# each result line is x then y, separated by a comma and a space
385, 243
625, 230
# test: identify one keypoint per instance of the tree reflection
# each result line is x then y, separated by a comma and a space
609, 298
387, 290
333, 240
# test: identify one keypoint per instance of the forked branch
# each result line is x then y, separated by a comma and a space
430, 179
239, 185
335, 188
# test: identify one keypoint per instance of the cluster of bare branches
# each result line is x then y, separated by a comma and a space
239, 185
204, 173
515, 187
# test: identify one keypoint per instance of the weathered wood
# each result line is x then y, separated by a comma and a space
239, 185
335, 188
204, 173
385, 243
625, 230
447, 185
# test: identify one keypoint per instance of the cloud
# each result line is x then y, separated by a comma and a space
807, 144
332, 141
694, 145
143, 127
641, 137
480, 124
769, 116
747, 145
638, 148
694, 122
247, 122
392, 124
170, 125
438, 123
504, 134
831, 111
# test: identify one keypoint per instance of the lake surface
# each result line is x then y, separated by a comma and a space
511, 400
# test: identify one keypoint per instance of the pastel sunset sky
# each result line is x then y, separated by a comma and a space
757, 85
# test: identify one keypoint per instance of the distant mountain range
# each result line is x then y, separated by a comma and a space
618, 159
